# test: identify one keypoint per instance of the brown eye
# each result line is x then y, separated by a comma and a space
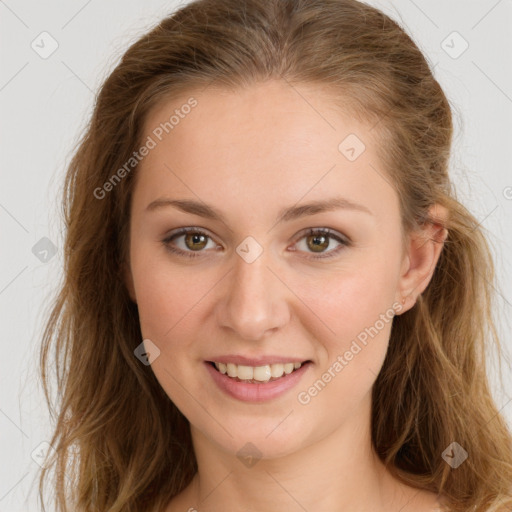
317, 243
189, 242
195, 241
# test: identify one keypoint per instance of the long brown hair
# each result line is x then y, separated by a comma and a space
121, 444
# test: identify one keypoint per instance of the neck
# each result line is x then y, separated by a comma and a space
340, 468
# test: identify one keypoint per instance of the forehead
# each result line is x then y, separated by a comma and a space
268, 142
288, 121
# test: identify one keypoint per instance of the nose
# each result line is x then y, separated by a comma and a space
253, 300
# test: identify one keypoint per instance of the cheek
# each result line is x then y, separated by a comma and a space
166, 295
348, 299
357, 308
353, 311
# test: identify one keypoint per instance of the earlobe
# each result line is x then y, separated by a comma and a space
424, 250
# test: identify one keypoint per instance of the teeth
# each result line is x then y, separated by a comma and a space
276, 370
289, 367
245, 372
232, 370
258, 373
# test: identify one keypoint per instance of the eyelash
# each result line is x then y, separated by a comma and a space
312, 231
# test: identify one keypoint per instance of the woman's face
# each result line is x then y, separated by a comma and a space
251, 281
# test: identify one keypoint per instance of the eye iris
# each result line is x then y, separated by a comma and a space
318, 247
196, 239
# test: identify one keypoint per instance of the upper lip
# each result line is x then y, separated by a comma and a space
256, 361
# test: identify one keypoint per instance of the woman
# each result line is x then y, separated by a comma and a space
273, 300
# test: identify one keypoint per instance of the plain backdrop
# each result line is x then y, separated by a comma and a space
55, 54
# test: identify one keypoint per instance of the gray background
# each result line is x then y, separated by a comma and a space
46, 101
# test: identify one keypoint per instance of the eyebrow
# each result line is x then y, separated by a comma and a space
286, 214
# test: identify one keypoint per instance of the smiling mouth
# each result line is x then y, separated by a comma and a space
257, 374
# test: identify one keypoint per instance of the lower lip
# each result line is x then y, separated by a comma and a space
257, 392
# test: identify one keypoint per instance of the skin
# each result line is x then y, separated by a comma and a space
250, 153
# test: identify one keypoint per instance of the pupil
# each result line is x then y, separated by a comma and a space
319, 245
196, 239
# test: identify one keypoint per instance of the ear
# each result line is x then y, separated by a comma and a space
421, 255
128, 280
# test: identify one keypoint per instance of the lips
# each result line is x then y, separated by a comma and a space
253, 391
261, 370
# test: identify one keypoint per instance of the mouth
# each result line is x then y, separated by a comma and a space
257, 374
